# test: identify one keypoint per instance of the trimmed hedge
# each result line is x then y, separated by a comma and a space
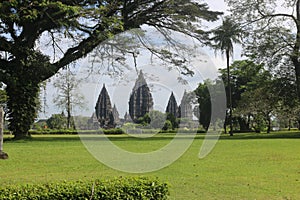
183, 131
123, 188
115, 131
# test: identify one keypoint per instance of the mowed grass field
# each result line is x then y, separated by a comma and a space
245, 166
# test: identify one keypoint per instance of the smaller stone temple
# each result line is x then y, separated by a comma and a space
105, 114
93, 122
172, 106
127, 118
186, 108
116, 114
140, 101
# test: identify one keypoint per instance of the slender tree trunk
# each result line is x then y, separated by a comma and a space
68, 113
3, 155
225, 123
225, 128
229, 94
1, 129
69, 88
289, 124
249, 122
269, 125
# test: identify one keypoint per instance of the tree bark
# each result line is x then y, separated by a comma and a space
21, 103
269, 125
295, 54
229, 94
3, 155
68, 99
225, 123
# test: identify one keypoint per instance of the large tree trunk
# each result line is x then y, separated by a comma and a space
296, 54
21, 105
244, 125
297, 70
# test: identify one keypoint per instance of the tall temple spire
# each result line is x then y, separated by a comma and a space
172, 107
104, 112
186, 109
140, 101
116, 114
140, 81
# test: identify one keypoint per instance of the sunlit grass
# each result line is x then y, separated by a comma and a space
246, 166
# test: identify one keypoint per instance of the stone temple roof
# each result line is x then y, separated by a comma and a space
140, 81
140, 101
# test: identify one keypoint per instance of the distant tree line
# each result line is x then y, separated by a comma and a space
260, 99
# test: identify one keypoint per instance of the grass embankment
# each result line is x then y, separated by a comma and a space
245, 166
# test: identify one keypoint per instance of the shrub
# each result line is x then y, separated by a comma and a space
123, 188
183, 131
168, 125
113, 131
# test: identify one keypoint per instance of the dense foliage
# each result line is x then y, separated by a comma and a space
261, 99
272, 30
72, 29
129, 188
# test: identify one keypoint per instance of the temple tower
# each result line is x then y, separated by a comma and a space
186, 109
116, 114
104, 111
172, 107
140, 101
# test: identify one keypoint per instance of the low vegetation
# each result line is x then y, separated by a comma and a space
123, 188
245, 166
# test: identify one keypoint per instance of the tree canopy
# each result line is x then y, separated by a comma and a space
72, 29
273, 31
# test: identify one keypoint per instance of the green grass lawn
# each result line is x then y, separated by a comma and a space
241, 167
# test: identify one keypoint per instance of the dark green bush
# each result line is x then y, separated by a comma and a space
113, 131
123, 188
183, 131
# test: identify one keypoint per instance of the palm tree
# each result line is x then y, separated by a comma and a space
223, 39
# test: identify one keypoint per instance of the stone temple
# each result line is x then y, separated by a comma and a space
185, 108
140, 101
104, 111
172, 106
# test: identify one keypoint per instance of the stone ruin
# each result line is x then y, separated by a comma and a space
140, 103
104, 110
172, 106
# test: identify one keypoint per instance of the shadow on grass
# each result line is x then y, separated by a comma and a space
44, 138
272, 135
123, 137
